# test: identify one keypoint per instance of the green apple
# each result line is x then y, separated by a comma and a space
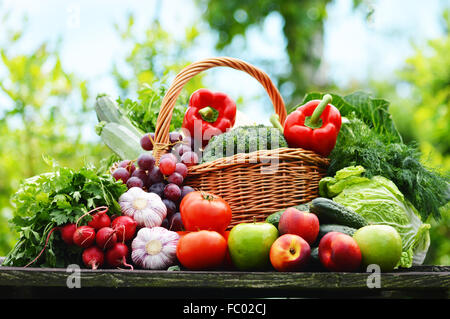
379, 244
249, 245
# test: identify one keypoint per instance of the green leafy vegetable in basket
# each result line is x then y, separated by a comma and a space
243, 139
53, 199
373, 112
369, 138
379, 201
143, 112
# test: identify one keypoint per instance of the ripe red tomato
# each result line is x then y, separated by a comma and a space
203, 249
183, 232
204, 211
227, 261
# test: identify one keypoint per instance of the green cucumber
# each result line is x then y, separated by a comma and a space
108, 111
120, 140
275, 217
327, 228
314, 260
330, 212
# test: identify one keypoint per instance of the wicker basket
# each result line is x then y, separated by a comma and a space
254, 184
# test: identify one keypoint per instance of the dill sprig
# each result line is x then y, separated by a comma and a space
358, 144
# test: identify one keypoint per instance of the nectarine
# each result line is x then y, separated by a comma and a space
289, 253
339, 252
296, 222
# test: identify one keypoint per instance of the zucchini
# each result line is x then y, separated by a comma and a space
330, 212
120, 140
275, 217
108, 111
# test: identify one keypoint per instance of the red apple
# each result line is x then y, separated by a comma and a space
289, 253
296, 222
339, 252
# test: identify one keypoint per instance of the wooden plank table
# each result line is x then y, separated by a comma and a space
417, 282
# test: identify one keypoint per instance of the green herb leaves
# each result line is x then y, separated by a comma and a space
369, 138
54, 199
143, 112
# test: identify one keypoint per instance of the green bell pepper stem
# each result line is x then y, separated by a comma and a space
327, 98
209, 114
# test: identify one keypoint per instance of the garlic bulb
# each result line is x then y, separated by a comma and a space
147, 209
154, 248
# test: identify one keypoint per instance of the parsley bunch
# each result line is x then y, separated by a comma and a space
143, 112
54, 199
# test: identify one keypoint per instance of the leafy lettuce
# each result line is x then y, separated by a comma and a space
379, 201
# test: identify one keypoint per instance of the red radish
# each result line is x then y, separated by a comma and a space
100, 220
125, 227
106, 237
84, 236
97, 223
93, 257
67, 233
117, 255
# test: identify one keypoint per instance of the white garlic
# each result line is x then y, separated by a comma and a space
154, 248
147, 209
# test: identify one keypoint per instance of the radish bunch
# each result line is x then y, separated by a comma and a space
103, 240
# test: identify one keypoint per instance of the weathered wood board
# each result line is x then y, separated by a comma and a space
420, 282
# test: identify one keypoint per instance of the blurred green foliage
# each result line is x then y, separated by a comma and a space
37, 120
423, 115
38, 95
303, 28
155, 57
427, 72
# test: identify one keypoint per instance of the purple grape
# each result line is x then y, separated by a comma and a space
172, 192
155, 176
181, 169
175, 178
189, 158
122, 174
181, 149
165, 223
194, 144
129, 165
135, 182
175, 137
158, 189
146, 161
169, 155
175, 222
167, 166
186, 190
140, 173
146, 143
170, 206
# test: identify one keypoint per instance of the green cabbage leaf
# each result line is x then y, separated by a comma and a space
379, 201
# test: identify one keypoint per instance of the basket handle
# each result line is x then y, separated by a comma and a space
165, 114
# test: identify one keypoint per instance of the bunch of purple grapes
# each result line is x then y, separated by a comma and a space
166, 179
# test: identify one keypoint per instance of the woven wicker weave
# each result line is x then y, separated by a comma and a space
256, 184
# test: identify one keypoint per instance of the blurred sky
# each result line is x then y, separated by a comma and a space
354, 49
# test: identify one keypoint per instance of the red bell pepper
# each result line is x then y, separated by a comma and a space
314, 126
210, 114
